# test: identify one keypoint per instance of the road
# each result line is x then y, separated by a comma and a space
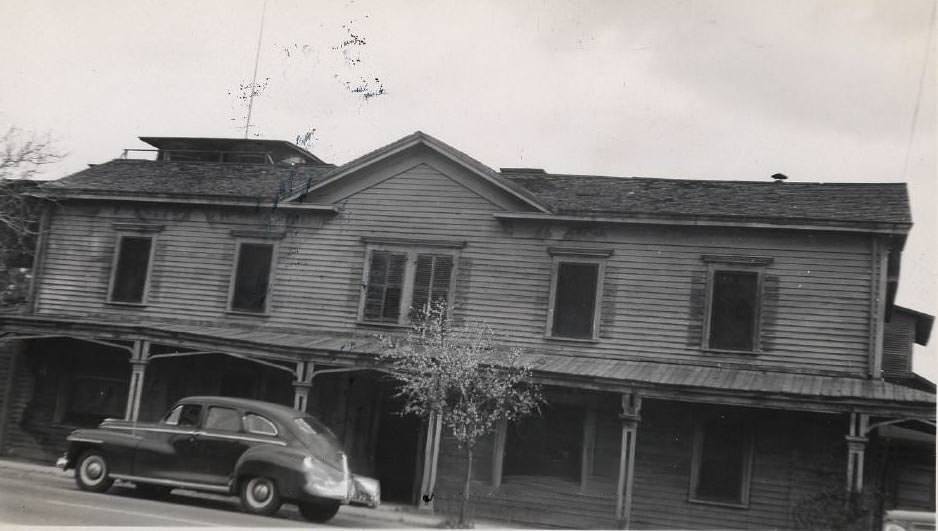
31, 500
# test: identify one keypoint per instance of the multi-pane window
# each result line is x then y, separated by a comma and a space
131, 269
251, 282
734, 310
576, 288
722, 461
401, 284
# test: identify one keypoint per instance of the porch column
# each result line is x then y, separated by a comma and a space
302, 383
431, 456
856, 448
138, 369
630, 417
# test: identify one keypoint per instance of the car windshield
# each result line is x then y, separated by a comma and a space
319, 438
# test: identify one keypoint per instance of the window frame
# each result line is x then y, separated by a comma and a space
412, 251
598, 257
271, 275
697, 461
735, 264
115, 260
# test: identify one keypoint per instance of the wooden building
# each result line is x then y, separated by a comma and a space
714, 353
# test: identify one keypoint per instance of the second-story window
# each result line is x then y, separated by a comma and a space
734, 310
400, 284
131, 269
575, 293
251, 282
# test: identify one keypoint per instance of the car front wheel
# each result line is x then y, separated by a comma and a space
92, 472
318, 512
259, 496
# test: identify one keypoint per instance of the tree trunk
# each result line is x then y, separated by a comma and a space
465, 491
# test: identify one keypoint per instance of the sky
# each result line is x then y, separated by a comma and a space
822, 91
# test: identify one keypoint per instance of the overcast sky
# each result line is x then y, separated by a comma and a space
821, 91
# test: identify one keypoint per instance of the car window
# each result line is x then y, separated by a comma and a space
259, 425
222, 419
184, 415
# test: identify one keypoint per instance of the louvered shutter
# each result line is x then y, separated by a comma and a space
385, 283
432, 277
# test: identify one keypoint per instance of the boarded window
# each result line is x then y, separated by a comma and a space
431, 281
722, 455
575, 299
546, 445
130, 272
733, 310
252, 277
385, 287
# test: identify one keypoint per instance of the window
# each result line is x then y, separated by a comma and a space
734, 310
546, 445
251, 282
722, 461
222, 419
92, 399
259, 425
575, 293
131, 269
184, 415
400, 284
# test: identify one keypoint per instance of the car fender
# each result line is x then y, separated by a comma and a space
118, 446
283, 464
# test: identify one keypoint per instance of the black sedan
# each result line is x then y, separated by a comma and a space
265, 453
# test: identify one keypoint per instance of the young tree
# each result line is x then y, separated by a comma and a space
465, 376
22, 157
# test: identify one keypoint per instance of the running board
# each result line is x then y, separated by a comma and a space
224, 489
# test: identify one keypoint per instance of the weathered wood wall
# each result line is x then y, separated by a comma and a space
815, 311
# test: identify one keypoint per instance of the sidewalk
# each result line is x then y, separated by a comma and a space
388, 512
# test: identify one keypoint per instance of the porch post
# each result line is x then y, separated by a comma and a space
302, 383
630, 417
856, 448
430, 458
138, 368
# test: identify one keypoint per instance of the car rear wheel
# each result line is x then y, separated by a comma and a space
318, 512
92, 472
259, 495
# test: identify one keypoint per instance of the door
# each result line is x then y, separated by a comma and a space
396, 452
170, 448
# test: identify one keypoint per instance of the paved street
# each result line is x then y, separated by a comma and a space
31, 499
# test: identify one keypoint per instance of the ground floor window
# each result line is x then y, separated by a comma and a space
546, 445
722, 460
92, 399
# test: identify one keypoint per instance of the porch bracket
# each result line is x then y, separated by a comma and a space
630, 416
856, 449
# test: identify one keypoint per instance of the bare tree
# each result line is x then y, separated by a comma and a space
466, 376
22, 157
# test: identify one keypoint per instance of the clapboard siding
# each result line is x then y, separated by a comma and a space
815, 318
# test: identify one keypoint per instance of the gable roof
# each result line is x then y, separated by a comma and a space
419, 138
265, 182
590, 195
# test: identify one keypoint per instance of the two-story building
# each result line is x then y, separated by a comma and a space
713, 353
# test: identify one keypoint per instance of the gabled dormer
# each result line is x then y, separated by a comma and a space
904, 329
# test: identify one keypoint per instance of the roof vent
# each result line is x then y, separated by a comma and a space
779, 177
523, 170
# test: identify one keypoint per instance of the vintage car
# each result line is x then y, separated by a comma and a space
265, 453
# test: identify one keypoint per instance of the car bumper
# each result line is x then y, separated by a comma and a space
62, 462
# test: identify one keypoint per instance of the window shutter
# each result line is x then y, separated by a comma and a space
385, 281
133, 261
768, 312
432, 277
252, 277
698, 302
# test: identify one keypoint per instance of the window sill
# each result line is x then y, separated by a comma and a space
246, 314
387, 326
126, 304
730, 505
580, 340
728, 351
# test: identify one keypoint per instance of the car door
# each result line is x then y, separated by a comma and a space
170, 449
222, 442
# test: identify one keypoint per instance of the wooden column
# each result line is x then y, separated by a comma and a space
138, 368
589, 447
498, 452
431, 457
856, 450
302, 383
630, 417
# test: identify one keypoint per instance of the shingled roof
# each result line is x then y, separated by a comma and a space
190, 179
590, 195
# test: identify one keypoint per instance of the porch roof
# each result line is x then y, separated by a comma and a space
671, 381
